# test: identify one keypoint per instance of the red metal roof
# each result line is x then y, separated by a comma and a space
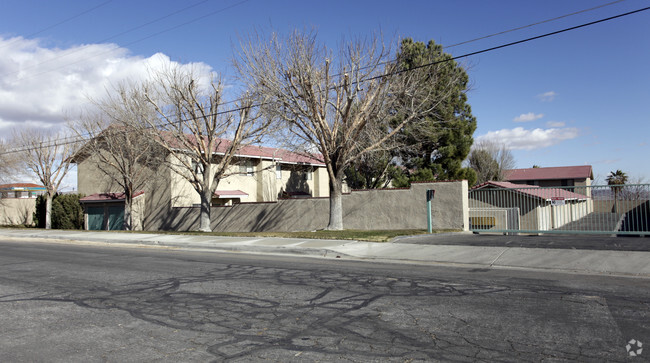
108, 197
533, 190
28, 186
251, 151
558, 172
255, 151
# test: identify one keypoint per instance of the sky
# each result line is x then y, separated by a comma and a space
575, 98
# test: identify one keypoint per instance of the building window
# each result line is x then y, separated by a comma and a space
246, 167
198, 168
309, 174
278, 171
567, 182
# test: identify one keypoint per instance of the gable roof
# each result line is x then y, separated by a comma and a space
558, 172
247, 151
256, 151
535, 191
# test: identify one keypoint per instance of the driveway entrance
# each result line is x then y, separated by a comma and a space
509, 208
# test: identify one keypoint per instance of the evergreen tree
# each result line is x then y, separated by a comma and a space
66, 212
435, 148
445, 141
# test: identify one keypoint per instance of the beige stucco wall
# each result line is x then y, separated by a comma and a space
17, 211
294, 179
262, 186
91, 180
148, 209
321, 182
249, 184
371, 209
406, 208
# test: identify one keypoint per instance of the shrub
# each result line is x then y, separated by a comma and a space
66, 212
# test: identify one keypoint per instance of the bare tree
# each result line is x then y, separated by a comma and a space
5, 161
346, 108
201, 136
116, 137
636, 189
490, 159
48, 157
484, 164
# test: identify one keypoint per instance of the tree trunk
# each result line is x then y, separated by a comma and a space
204, 218
336, 205
48, 211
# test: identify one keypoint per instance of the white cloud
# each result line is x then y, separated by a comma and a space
547, 96
40, 85
527, 117
522, 139
555, 124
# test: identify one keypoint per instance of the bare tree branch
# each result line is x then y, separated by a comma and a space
48, 157
116, 138
201, 138
346, 111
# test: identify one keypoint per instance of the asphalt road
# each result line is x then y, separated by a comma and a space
77, 303
552, 241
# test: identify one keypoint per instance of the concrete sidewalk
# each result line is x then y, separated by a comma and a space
636, 263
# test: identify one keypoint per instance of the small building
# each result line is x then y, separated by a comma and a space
559, 176
105, 211
258, 174
18, 203
506, 206
21, 190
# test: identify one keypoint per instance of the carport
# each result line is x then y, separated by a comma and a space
105, 211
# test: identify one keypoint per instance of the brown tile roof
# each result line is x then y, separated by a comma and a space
108, 197
533, 190
559, 172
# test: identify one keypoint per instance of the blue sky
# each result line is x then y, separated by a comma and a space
576, 98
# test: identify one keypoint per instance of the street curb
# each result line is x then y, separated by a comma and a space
304, 251
332, 253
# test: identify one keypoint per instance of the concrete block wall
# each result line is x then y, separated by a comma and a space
17, 211
365, 209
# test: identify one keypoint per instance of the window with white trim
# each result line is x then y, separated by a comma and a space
197, 167
246, 167
278, 171
309, 174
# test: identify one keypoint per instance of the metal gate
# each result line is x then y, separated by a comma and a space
503, 207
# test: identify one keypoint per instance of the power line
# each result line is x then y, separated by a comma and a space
236, 4
55, 142
59, 23
533, 24
521, 41
498, 33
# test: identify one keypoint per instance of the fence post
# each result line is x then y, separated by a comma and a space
430, 193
